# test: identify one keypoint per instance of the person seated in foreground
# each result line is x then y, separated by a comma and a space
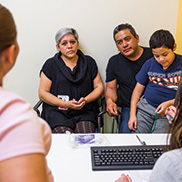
158, 79
70, 85
25, 139
168, 166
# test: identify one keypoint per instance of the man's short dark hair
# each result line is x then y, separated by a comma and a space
162, 38
123, 27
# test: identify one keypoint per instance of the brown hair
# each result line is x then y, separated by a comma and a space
7, 28
176, 127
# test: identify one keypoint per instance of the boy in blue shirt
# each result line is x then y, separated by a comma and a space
158, 82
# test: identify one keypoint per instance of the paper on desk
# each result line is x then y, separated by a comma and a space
140, 176
82, 141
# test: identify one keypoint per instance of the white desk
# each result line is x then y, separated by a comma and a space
70, 164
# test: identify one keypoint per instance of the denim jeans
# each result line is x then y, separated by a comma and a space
125, 115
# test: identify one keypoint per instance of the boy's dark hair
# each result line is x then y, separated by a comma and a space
162, 38
123, 27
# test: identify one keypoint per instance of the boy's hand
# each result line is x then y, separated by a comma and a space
161, 109
132, 123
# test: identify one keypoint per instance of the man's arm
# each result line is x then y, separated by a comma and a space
111, 97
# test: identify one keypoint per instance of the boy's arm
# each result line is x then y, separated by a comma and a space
161, 109
137, 92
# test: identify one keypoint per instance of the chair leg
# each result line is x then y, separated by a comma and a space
113, 123
119, 122
100, 128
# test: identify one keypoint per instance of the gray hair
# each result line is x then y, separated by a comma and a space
64, 31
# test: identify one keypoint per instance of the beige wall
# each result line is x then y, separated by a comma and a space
38, 20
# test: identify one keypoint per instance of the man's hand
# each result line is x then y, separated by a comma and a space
112, 109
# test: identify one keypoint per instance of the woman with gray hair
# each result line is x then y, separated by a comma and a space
70, 85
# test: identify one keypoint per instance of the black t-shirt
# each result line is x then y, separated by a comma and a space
68, 85
124, 70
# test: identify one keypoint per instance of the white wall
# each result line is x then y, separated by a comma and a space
38, 21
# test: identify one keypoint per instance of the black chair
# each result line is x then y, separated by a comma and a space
102, 107
36, 107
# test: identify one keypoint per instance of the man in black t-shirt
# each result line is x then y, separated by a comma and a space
121, 71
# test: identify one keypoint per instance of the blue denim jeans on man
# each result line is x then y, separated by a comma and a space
125, 115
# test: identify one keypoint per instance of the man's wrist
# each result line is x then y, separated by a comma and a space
109, 100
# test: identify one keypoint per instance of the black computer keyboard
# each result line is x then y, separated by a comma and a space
125, 157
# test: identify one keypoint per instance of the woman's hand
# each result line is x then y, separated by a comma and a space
124, 178
170, 111
76, 105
